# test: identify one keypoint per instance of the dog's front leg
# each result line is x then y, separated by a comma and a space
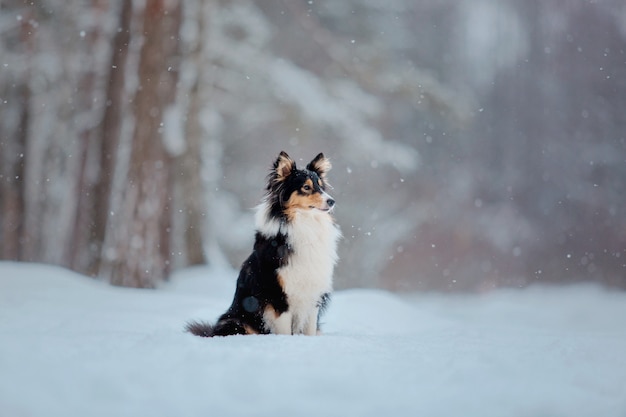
310, 328
282, 323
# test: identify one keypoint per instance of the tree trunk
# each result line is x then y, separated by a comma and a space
110, 131
12, 158
142, 238
189, 164
82, 252
14, 124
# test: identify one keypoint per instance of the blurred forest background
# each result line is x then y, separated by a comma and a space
476, 144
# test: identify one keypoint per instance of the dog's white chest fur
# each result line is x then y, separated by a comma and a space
308, 273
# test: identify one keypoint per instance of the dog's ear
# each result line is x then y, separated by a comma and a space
283, 167
320, 165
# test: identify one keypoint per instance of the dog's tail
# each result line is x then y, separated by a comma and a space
225, 326
199, 328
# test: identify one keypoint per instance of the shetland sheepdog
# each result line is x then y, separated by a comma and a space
285, 284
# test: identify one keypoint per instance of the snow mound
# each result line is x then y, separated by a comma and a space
72, 346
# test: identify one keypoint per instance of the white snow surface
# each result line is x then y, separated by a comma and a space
73, 346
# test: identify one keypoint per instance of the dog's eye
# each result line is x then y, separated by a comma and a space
306, 187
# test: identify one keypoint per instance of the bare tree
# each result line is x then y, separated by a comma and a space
110, 131
142, 227
14, 123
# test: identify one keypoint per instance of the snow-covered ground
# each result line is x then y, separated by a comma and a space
71, 346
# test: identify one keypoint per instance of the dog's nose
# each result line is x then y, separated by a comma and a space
330, 202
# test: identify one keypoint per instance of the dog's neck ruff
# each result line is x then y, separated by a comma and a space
314, 222
266, 224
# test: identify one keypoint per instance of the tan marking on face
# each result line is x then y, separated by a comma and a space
303, 202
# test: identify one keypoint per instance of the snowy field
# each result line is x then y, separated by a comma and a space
71, 346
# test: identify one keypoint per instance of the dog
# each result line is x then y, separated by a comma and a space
285, 284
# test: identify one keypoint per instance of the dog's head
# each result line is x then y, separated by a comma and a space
291, 189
